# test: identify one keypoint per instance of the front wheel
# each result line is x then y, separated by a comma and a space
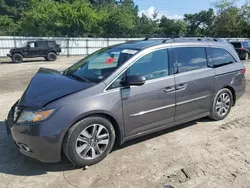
89, 141
222, 104
17, 58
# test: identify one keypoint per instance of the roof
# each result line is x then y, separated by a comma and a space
142, 44
139, 45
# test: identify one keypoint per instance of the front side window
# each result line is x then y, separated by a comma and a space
221, 57
32, 45
190, 58
151, 66
99, 65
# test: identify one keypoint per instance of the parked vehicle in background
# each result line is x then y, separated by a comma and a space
123, 92
242, 48
40, 48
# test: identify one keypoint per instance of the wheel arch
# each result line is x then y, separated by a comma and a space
118, 128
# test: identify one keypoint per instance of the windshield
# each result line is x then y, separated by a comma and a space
99, 65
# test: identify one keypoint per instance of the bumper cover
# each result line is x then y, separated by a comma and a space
9, 55
44, 146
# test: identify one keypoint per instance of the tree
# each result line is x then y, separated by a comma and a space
171, 27
61, 19
146, 25
228, 21
199, 23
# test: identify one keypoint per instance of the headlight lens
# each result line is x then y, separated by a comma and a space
33, 116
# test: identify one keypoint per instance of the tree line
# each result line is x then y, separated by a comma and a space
110, 18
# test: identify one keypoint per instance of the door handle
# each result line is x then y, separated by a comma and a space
181, 87
169, 89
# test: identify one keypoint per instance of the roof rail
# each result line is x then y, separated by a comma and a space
203, 38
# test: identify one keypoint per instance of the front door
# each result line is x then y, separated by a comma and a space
152, 105
194, 82
33, 49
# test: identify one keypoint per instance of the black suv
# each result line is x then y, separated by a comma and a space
242, 48
41, 48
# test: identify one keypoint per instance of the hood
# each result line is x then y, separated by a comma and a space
17, 49
48, 85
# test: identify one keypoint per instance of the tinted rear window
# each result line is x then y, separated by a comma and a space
245, 44
190, 58
51, 44
236, 44
221, 57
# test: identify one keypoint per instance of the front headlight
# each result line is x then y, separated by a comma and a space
33, 116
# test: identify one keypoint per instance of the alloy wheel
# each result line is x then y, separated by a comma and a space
92, 141
223, 104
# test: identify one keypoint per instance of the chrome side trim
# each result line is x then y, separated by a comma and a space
153, 110
191, 100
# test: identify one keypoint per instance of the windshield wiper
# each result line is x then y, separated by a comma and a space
80, 78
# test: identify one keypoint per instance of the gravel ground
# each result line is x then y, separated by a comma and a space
202, 153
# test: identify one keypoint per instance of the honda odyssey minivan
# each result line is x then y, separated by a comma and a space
122, 92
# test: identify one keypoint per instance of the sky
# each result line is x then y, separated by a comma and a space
175, 8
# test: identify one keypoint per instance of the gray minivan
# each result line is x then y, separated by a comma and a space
122, 92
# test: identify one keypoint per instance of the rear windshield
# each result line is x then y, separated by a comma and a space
99, 65
236, 44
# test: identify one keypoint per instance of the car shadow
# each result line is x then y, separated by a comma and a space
159, 133
25, 61
14, 163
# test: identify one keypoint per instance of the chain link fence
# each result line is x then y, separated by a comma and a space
71, 46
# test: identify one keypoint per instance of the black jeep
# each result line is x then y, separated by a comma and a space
41, 48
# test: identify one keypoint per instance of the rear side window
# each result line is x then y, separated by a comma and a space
245, 44
221, 57
51, 44
236, 44
190, 58
41, 44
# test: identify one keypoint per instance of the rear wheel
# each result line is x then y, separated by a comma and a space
51, 56
222, 104
17, 58
89, 141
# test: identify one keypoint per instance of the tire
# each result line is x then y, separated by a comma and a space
51, 56
80, 146
246, 56
17, 58
222, 104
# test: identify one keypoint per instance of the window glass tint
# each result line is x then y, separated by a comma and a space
40, 44
221, 57
51, 44
100, 64
153, 65
32, 45
190, 58
245, 45
236, 44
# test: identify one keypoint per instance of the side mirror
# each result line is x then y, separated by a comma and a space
135, 80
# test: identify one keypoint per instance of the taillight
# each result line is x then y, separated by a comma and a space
244, 70
242, 49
